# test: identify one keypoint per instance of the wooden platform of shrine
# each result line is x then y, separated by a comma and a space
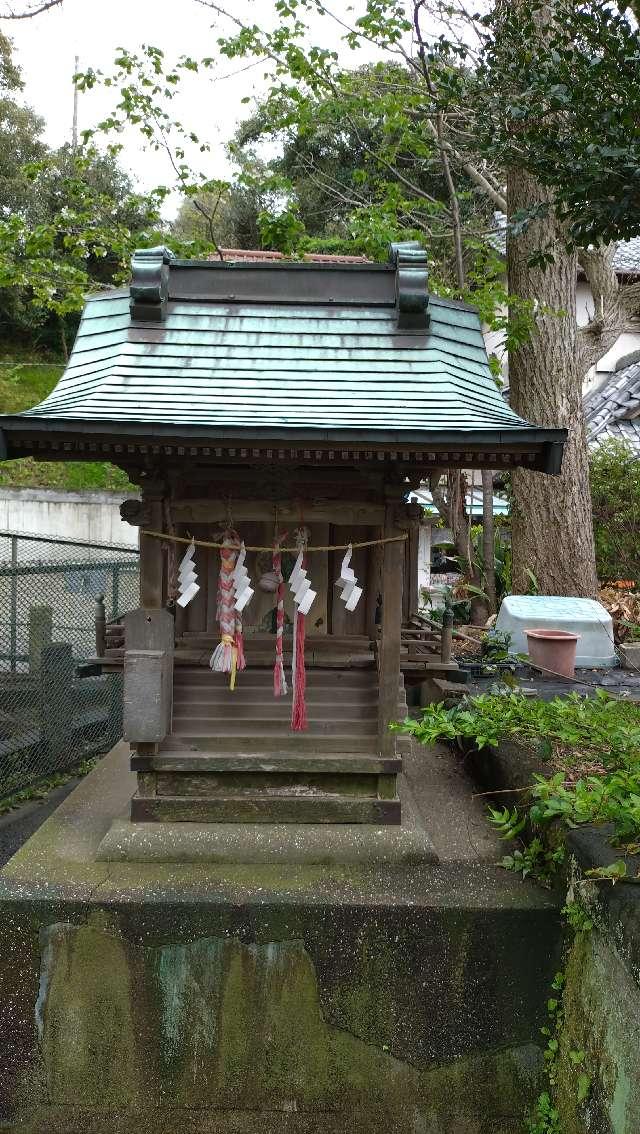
231, 755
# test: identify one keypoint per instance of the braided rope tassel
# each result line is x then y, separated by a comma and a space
298, 671
224, 658
279, 679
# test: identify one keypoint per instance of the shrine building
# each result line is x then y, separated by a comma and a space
275, 416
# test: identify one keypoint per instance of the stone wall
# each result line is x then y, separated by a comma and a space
90, 516
601, 1001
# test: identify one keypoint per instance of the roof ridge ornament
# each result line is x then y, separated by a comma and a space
149, 289
412, 277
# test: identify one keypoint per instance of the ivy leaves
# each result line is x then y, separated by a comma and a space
599, 730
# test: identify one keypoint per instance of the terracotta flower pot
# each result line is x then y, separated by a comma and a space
554, 650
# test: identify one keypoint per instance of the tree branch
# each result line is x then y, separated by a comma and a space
43, 6
604, 327
444, 157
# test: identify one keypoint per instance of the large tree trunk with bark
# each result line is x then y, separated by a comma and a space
552, 529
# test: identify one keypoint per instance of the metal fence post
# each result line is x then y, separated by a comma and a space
13, 605
100, 621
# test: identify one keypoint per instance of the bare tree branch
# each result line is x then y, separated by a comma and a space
615, 304
605, 325
30, 10
471, 170
444, 156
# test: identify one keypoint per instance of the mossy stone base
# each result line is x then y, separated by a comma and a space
152, 998
217, 1031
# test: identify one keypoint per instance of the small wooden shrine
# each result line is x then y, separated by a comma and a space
276, 417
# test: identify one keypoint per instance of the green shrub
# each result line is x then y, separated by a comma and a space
615, 494
594, 742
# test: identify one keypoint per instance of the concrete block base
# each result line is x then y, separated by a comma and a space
140, 997
294, 843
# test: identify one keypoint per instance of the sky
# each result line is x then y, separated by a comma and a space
46, 46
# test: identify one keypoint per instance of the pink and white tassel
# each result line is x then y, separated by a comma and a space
224, 658
279, 679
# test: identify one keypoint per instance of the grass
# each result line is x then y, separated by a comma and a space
41, 788
25, 381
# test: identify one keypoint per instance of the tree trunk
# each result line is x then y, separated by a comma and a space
552, 529
488, 540
450, 502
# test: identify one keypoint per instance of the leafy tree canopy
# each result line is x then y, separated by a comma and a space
68, 221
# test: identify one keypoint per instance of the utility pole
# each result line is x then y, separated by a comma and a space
74, 128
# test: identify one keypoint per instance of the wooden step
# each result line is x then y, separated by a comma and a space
321, 677
276, 709
263, 695
260, 809
231, 725
176, 756
221, 708
294, 743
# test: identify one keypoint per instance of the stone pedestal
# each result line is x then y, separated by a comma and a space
150, 997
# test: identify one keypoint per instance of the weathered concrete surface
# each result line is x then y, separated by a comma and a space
199, 997
602, 1019
602, 1000
600, 1036
260, 843
442, 822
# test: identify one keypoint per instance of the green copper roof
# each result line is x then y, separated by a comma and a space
288, 350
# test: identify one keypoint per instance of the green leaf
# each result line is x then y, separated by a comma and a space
584, 1087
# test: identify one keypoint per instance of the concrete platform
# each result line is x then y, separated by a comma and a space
378, 997
299, 843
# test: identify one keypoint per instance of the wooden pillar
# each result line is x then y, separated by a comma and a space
151, 552
374, 582
412, 545
100, 624
389, 647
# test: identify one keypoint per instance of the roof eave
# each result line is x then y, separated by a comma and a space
548, 442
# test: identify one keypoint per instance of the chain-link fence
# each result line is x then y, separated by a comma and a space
55, 710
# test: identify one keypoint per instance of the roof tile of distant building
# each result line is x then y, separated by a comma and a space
613, 410
264, 256
626, 260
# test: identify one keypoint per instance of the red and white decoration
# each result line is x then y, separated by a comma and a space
233, 584
303, 597
187, 577
279, 679
351, 592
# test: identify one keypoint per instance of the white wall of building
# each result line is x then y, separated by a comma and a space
626, 344
89, 516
